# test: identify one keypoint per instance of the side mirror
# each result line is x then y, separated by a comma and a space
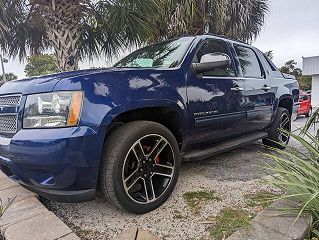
212, 62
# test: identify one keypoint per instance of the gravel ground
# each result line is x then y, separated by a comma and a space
231, 175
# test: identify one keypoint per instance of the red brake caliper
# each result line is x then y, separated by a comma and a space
147, 148
157, 160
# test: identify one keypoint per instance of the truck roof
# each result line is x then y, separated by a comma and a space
204, 36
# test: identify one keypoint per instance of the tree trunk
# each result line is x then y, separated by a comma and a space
64, 29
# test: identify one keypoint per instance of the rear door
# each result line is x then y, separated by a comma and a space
258, 92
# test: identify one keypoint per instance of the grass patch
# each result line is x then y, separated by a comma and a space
178, 215
228, 222
195, 200
261, 199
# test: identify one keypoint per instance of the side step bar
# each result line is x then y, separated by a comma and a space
201, 154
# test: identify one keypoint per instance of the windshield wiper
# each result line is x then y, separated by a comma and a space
174, 64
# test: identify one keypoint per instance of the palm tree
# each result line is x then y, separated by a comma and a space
75, 29
237, 19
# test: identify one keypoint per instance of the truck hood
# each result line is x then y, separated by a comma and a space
43, 83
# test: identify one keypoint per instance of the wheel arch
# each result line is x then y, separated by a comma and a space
286, 102
169, 115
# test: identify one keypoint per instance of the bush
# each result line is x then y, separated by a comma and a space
297, 172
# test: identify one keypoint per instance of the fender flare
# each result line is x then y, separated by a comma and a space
177, 107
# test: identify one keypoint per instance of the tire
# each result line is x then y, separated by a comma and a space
126, 171
309, 113
276, 138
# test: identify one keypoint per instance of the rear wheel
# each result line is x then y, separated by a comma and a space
140, 166
278, 138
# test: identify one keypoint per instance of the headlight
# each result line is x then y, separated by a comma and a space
51, 110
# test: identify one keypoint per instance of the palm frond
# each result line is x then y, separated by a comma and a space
246, 18
298, 174
238, 19
106, 27
312, 123
125, 23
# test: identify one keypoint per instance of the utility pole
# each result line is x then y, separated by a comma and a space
2, 65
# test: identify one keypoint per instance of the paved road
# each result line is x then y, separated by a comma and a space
231, 175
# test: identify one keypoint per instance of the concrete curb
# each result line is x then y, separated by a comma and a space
27, 218
136, 234
272, 224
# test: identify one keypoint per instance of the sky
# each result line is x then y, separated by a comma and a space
291, 31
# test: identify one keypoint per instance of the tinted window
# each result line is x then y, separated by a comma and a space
249, 62
214, 46
166, 54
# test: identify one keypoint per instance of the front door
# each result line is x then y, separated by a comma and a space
215, 99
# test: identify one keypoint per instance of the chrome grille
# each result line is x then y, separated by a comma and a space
13, 100
8, 123
8, 113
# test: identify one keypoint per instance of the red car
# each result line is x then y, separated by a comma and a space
305, 107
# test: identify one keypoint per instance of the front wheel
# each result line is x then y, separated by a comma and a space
278, 138
140, 166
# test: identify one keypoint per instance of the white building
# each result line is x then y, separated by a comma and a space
311, 68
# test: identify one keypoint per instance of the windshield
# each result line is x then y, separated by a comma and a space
166, 54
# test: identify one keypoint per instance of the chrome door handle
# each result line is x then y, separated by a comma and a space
237, 89
266, 88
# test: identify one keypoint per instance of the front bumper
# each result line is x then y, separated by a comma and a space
59, 164
63, 196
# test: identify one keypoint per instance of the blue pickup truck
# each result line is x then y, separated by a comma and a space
125, 130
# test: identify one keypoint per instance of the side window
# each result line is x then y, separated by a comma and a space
249, 62
214, 46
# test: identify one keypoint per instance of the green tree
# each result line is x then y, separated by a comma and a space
78, 29
269, 54
237, 19
40, 64
290, 67
75, 29
9, 77
305, 82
